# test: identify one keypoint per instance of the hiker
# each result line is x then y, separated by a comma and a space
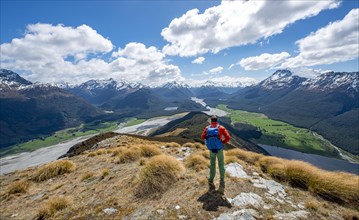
215, 136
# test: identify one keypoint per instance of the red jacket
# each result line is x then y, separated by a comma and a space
222, 131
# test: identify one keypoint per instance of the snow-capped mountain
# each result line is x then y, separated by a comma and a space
9, 79
281, 79
333, 80
175, 85
225, 83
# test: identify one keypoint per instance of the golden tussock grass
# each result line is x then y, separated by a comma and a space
350, 215
92, 154
18, 187
104, 172
197, 162
172, 145
312, 204
247, 156
87, 175
52, 206
189, 144
53, 169
159, 174
339, 187
129, 155
143, 161
199, 146
231, 159
150, 150
205, 154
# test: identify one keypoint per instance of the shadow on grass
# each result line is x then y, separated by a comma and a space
212, 200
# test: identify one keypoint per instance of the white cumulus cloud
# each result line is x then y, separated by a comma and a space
336, 42
55, 53
263, 61
235, 23
198, 60
216, 70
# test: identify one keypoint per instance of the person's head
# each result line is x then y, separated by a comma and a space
213, 118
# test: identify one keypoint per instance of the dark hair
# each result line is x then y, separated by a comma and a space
214, 118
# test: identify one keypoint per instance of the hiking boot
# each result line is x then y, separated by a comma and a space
221, 187
211, 185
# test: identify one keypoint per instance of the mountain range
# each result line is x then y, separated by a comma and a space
327, 104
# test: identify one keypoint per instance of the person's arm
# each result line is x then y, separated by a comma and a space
225, 133
204, 134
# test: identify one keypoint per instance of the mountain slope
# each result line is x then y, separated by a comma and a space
104, 183
308, 103
30, 110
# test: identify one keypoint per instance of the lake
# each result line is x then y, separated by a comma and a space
327, 163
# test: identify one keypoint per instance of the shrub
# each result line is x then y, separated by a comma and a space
87, 176
150, 151
197, 162
18, 187
52, 206
159, 174
247, 156
53, 169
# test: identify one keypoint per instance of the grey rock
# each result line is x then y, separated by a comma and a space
38, 196
292, 215
109, 211
236, 170
182, 217
244, 199
160, 211
244, 214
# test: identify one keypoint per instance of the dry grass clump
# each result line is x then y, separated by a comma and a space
312, 204
53, 169
129, 155
159, 174
87, 175
231, 159
300, 173
52, 206
143, 161
150, 151
172, 145
18, 187
350, 215
197, 162
104, 173
189, 144
340, 187
92, 154
205, 154
199, 146
247, 156
116, 151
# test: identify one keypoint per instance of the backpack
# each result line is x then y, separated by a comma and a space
213, 141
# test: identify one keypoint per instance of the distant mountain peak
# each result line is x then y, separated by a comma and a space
281, 79
175, 85
12, 79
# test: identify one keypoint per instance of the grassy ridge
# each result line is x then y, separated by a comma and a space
281, 134
60, 136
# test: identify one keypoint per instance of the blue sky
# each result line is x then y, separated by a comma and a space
125, 39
